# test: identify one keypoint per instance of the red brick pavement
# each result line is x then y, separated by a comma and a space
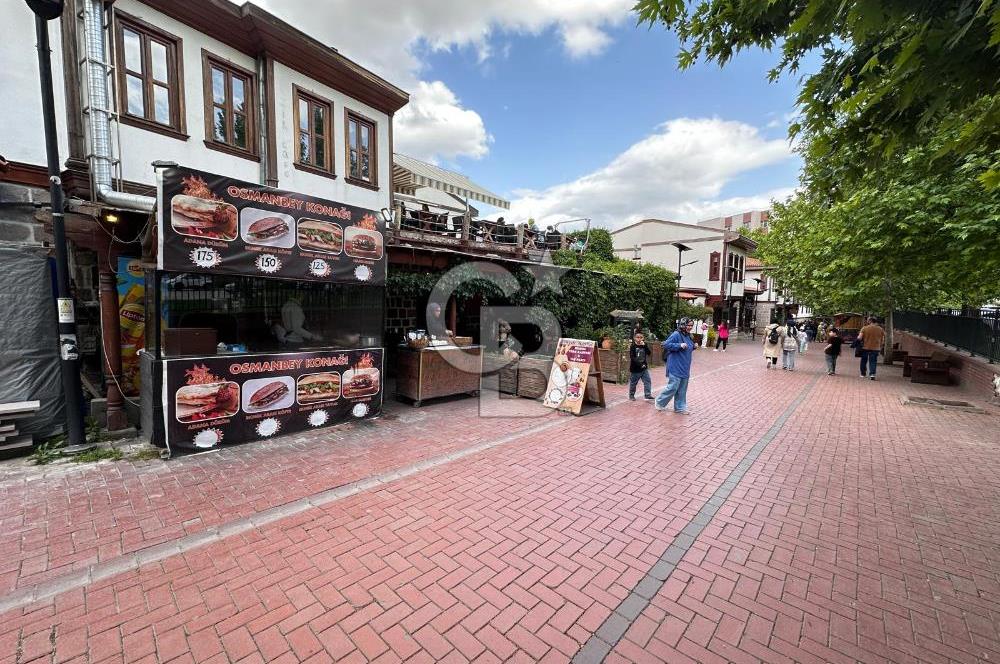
861, 513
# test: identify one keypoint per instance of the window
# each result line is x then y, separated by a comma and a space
149, 77
362, 166
230, 105
715, 262
313, 118
736, 263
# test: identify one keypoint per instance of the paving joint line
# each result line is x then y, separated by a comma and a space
606, 637
132, 561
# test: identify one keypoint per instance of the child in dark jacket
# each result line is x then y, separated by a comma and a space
638, 354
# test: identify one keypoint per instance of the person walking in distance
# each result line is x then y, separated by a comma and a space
723, 338
772, 345
638, 354
677, 349
803, 338
832, 350
871, 337
789, 345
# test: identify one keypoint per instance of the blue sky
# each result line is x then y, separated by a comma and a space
554, 118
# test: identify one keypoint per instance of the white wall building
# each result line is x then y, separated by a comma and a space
712, 268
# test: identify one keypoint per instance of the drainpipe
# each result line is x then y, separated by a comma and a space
99, 108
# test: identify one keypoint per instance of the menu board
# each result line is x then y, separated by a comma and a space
211, 223
235, 398
568, 378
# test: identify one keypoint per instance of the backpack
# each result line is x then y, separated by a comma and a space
773, 337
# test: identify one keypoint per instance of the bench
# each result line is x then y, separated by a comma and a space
934, 370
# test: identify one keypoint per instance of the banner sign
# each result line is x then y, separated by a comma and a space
131, 321
210, 223
568, 378
230, 399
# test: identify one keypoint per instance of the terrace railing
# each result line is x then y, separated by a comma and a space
975, 331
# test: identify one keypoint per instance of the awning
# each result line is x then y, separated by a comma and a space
409, 174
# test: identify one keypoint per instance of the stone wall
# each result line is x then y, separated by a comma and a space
975, 374
18, 204
400, 314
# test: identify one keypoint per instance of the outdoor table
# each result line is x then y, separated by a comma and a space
438, 371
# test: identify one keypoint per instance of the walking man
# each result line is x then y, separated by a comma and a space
678, 348
638, 355
872, 336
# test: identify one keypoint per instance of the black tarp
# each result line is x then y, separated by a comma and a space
29, 352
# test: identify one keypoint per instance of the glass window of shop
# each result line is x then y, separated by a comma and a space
255, 315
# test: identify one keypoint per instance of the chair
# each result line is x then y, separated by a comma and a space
936, 370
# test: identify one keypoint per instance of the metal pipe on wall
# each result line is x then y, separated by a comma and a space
99, 111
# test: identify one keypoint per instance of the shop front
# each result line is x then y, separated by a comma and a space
264, 313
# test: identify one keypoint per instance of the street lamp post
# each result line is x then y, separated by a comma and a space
681, 248
46, 10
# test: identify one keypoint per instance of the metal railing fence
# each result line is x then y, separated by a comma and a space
975, 331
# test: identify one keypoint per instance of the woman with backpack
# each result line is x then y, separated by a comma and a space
772, 345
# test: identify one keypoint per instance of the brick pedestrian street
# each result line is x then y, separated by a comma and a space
793, 517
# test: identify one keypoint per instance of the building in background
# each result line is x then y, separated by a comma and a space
751, 220
713, 265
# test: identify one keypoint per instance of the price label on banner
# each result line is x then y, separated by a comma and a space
205, 257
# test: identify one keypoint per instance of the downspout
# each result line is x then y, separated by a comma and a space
99, 108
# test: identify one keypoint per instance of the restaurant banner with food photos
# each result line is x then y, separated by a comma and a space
567, 384
217, 400
211, 223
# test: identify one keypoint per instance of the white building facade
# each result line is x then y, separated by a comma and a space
712, 263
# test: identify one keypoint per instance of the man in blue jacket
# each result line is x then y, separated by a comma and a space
678, 347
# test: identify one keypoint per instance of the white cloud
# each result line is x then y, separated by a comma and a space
389, 37
434, 125
676, 173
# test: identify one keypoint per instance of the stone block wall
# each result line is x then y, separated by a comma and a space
18, 204
400, 314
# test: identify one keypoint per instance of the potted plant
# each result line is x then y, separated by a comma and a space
606, 336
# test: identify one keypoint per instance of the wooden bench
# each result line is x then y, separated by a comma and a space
934, 370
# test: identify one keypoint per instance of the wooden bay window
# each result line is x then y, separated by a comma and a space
149, 76
313, 133
230, 107
362, 151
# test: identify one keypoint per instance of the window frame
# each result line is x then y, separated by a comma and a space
208, 62
312, 99
175, 68
350, 116
714, 266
